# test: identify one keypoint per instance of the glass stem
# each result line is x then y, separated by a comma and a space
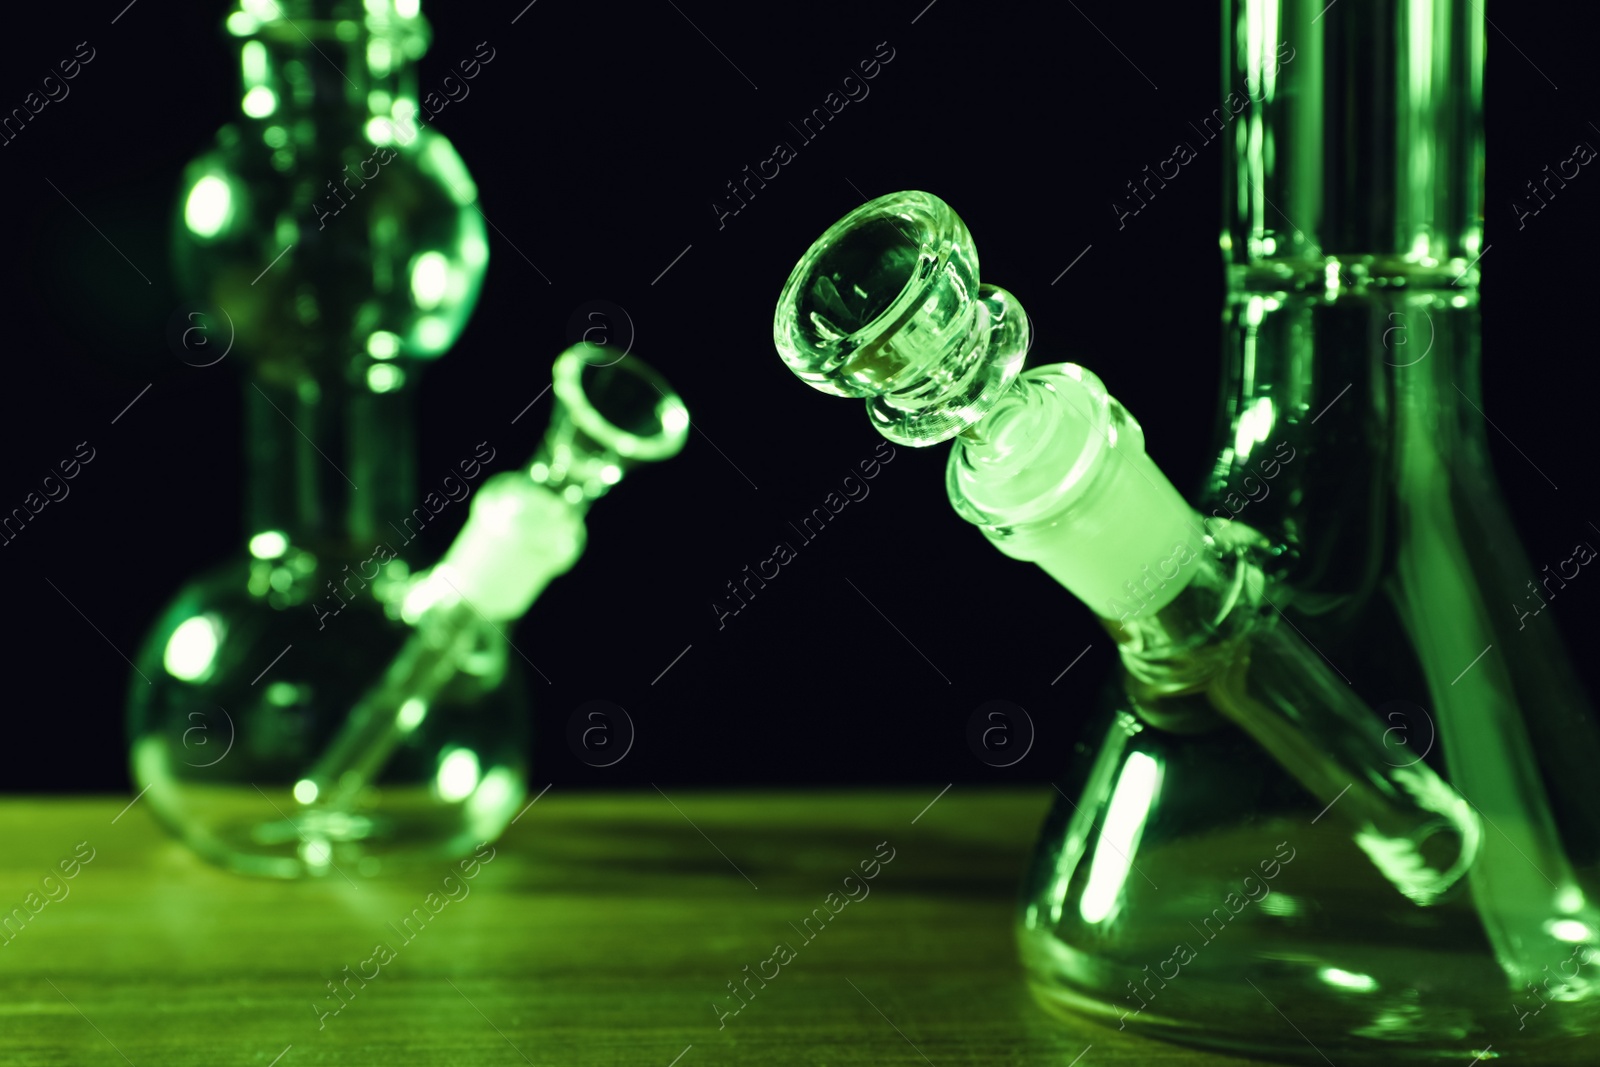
392, 709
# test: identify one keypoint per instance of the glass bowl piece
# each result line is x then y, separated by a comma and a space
886, 306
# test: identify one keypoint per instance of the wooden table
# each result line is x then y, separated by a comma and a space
603, 931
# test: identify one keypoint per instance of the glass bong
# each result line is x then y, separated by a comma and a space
317, 705
1255, 857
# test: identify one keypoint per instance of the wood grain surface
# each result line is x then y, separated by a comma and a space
604, 931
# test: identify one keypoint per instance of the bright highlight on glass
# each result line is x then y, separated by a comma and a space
1131, 800
193, 648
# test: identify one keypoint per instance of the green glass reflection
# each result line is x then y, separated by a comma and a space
331, 264
1138, 785
526, 529
1340, 636
955, 347
319, 705
1055, 472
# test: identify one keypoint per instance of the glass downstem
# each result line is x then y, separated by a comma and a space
1264, 678
526, 528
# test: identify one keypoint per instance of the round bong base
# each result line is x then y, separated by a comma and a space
243, 697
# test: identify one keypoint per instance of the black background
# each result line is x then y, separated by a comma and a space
599, 137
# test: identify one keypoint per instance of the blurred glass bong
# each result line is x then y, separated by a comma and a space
319, 705
1253, 858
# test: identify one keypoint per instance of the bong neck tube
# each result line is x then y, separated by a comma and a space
1361, 143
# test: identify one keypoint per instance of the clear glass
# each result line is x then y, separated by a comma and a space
1223, 865
245, 694
911, 262
332, 242
527, 527
1352, 436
